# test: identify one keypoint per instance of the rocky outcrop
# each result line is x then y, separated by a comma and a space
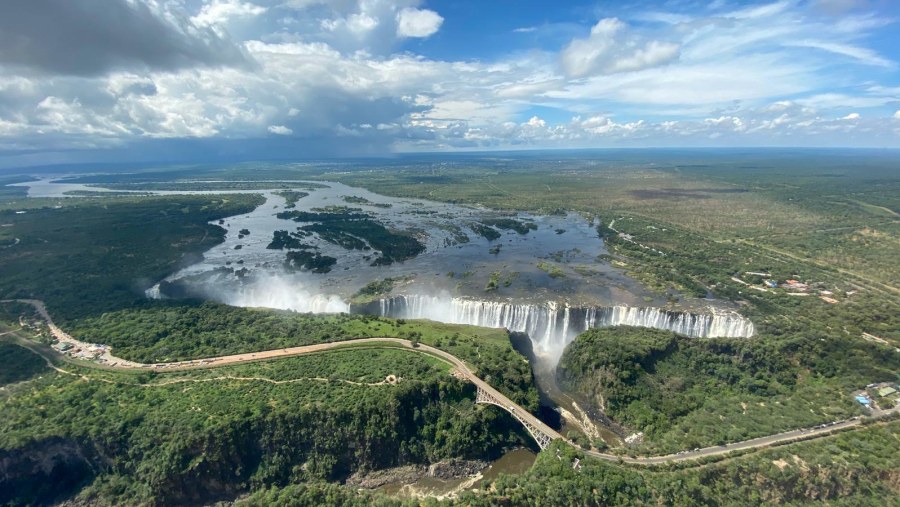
44, 471
446, 469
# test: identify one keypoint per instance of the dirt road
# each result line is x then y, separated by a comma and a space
464, 371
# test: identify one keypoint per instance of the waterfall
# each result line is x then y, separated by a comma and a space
551, 326
262, 291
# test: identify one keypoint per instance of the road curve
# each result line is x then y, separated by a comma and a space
460, 366
463, 369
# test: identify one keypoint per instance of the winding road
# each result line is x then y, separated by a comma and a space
463, 370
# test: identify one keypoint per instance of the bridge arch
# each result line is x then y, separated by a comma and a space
542, 437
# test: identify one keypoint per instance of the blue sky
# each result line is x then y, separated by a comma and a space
164, 79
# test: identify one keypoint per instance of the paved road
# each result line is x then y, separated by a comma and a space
464, 370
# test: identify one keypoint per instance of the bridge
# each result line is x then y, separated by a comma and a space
539, 434
485, 394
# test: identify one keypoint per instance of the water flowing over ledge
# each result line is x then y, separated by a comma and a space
551, 326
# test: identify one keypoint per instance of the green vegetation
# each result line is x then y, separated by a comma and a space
376, 289
685, 393
683, 222
98, 255
493, 282
349, 229
172, 331
336, 236
551, 269
146, 182
521, 227
459, 237
488, 233
845, 470
355, 199
848, 469
289, 240
829, 214
9, 193
291, 197
105, 193
18, 364
144, 438
309, 261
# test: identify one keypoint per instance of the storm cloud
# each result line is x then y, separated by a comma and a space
93, 37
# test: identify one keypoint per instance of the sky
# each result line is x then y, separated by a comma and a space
149, 80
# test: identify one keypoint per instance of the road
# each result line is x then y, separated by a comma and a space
104, 354
788, 436
466, 372
457, 363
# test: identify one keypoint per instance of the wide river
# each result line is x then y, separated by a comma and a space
552, 282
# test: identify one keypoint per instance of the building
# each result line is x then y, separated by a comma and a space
863, 400
795, 285
885, 391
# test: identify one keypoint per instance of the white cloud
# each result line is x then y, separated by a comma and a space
358, 24
338, 71
281, 130
412, 22
842, 100
761, 11
854, 25
219, 12
862, 55
728, 122
611, 48
536, 122
701, 83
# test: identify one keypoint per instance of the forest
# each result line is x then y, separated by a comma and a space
140, 438
348, 229
686, 393
94, 255
693, 226
179, 330
846, 470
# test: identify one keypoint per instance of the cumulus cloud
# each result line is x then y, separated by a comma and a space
412, 22
219, 12
611, 48
359, 23
281, 130
340, 77
91, 38
851, 116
